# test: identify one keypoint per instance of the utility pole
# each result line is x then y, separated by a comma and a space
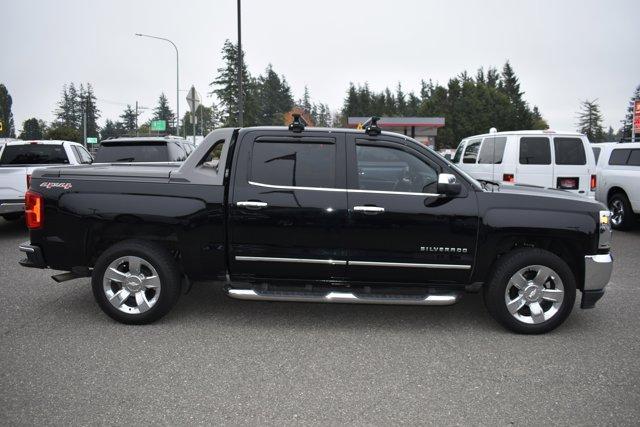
136, 118
202, 121
240, 94
84, 122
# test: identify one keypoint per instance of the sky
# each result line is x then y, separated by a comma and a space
563, 51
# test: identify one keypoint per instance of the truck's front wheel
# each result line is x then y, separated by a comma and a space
531, 291
136, 282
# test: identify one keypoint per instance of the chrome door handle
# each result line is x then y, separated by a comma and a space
368, 209
249, 204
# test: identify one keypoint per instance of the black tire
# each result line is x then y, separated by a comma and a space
619, 204
506, 267
12, 216
155, 255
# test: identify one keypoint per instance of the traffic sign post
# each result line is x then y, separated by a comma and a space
158, 125
193, 99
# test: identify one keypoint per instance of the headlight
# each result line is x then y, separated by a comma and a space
604, 230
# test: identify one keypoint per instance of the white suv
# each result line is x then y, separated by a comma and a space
619, 182
18, 159
549, 159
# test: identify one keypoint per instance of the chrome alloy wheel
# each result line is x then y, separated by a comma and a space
617, 212
131, 284
534, 294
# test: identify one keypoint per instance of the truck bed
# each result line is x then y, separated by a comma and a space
147, 171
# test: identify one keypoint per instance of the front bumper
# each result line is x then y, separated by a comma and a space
597, 273
34, 257
11, 206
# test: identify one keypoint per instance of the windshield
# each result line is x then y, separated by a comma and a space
133, 152
34, 154
468, 177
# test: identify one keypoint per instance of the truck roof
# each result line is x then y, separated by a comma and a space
41, 141
528, 132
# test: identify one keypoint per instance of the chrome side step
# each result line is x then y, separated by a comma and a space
342, 297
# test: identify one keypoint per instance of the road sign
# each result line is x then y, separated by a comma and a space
92, 140
158, 125
193, 99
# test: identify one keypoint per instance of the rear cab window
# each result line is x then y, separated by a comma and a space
134, 151
569, 151
34, 154
535, 151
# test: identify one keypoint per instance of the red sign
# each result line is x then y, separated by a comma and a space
636, 116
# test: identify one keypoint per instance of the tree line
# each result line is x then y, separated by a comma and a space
469, 104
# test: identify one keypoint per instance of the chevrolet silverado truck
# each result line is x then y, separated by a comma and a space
317, 215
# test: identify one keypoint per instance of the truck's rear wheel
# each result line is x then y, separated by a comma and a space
531, 291
136, 282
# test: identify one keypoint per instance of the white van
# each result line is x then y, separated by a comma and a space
619, 182
546, 158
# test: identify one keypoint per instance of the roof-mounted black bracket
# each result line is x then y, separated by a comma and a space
298, 123
371, 126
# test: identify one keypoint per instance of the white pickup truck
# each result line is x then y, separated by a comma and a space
18, 159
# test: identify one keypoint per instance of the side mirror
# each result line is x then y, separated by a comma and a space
448, 184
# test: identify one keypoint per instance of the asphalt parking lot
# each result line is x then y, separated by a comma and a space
216, 360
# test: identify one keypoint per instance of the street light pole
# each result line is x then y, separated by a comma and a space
177, 77
240, 94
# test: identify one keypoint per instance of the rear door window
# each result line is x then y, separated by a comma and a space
535, 151
569, 151
492, 150
294, 164
471, 153
34, 154
132, 152
619, 156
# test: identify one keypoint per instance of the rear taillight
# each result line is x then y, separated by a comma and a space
33, 209
28, 181
508, 177
594, 183
568, 183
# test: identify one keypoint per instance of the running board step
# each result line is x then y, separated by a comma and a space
342, 297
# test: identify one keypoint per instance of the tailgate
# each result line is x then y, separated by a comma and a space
13, 182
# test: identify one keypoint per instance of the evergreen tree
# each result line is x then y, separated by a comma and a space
6, 115
520, 117
610, 136
112, 129
32, 129
538, 122
273, 98
163, 112
627, 123
226, 88
129, 119
87, 106
305, 102
401, 102
590, 120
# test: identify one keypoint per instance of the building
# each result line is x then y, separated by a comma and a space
423, 129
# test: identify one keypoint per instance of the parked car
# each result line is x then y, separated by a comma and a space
18, 160
317, 215
619, 182
143, 149
562, 160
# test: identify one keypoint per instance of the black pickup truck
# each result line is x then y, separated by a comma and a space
317, 215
